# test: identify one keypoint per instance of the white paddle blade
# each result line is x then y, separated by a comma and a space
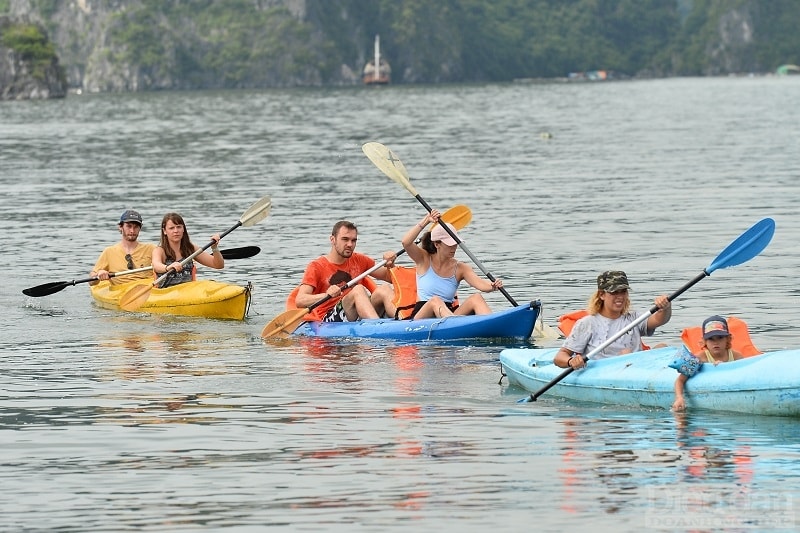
389, 164
257, 212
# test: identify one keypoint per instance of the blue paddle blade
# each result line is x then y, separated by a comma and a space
748, 245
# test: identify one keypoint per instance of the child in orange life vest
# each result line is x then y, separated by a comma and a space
716, 349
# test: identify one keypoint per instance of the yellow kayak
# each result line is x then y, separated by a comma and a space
204, 298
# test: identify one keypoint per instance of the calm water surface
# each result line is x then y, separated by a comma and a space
112, 421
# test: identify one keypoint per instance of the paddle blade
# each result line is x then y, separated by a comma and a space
241, 253
389, 164
283, 324
135, 297
457, 216
257, 212
748, 245
46, 288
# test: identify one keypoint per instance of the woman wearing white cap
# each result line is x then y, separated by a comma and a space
439, 273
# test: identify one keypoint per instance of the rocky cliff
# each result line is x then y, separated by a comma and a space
29, 67
142, 45
130, 45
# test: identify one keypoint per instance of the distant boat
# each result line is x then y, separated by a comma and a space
786, 70
380, 75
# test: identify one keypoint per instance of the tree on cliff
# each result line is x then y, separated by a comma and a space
29, 66
109, 45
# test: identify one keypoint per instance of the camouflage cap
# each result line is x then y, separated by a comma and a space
613, 281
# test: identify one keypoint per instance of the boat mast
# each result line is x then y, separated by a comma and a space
377, 73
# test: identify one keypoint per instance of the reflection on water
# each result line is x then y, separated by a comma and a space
134, 421
683, 470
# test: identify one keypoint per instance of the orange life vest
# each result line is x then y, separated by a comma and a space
404, 281
566, 322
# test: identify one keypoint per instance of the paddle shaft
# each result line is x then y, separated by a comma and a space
137, 296
288, 321
390, 164
52, 288
291, 324
745, 247
47, 289
256, 212
475, 260
608, 342
363, 275
352, 282
197, 252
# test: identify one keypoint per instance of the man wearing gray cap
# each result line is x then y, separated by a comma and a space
127, 254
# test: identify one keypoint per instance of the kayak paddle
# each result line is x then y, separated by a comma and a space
388, 163
748, 245
137, 296
285, 323
46, 289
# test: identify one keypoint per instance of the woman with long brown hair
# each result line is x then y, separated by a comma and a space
175, 246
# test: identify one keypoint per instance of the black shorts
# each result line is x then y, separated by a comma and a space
336, 314
419, 305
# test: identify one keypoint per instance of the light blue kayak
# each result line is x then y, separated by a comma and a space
513, 322
767, 384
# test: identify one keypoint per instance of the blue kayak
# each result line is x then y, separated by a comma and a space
766, 384
514, 322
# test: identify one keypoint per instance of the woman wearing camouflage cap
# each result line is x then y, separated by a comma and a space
609, 313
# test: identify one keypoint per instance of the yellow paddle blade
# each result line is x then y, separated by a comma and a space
389, 164
135, 297
457, 216
285, 323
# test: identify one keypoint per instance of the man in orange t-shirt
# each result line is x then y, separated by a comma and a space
328, 274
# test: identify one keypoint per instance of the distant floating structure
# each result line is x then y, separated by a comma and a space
787, 70
380, 75
590, 75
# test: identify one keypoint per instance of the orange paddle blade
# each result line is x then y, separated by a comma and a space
457, 216
285, 323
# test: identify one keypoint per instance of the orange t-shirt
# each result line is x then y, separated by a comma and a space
321, 274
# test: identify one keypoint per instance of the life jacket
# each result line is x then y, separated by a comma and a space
189, 273
567, 321
404, 281
741, 342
